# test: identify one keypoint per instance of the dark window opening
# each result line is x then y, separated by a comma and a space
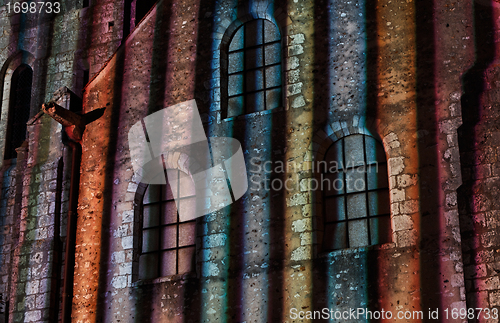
19, 110
127, 17
86, 77
142, 7
4, 308
254, 68
355, 187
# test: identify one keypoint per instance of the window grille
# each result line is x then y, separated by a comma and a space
168, 244
254, 68
355, 194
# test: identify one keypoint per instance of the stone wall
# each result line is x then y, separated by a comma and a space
260, 253
390, 70
58, 47
478, 140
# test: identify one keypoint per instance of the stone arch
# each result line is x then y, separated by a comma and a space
334, 131
8, 68
250, 11
6, 72
246, 12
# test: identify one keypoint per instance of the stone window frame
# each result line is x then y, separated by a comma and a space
326, 136
344, 195
224, 59
10, 66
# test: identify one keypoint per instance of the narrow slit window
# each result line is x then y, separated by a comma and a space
19, 109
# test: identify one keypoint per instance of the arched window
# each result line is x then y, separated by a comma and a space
254, 68
19, 109
167, 243
355, 194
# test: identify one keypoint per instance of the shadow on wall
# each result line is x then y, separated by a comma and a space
469, 138
362, 266
107, 185
5, 181
428, 162
181, 296
45, 29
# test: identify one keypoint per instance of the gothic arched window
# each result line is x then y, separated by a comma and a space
355, 194
167, 243
19, 109
254, 68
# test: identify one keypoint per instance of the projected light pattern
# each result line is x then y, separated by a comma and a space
255, 239
358, 216
347, 92
347, 57
237, 266
214, 299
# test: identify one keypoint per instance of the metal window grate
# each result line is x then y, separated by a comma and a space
356, 199
254, 68
168, 244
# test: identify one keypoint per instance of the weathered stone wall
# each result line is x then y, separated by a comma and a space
479, 138
387, 69
58, 47
256, 258
7, 227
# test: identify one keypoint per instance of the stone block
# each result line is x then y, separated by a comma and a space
397, 195
214, 240
302, 225
294, 50
32, 287
296, 39
402, 222
409, 207
33, 316
396, 165
293, 89
298, 199
301, 253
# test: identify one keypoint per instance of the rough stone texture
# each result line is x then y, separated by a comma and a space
58, 48
478, 140
388, 69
